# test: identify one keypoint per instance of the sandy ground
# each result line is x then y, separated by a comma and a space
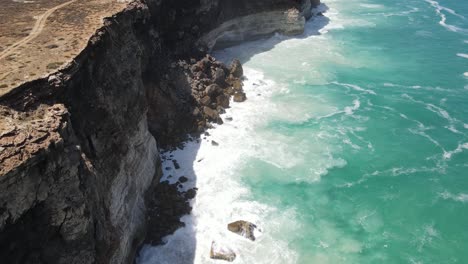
38, 37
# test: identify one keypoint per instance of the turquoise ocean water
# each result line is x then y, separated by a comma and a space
352, 147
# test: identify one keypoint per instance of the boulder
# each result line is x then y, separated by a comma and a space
219, 77
196, 112
237, 84
183, 179
222, 100
206, 100
221, 252
243, 228
220, 110
213, 90
176, 164
210, 113
205, 63
240, 97
200, 75
196, 68
190, 193
236, 68
229, 91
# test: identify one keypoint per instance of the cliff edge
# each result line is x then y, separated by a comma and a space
79, 147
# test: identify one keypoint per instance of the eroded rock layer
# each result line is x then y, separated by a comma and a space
78, 152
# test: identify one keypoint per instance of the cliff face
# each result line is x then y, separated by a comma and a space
74, 191
77, 149
247, 20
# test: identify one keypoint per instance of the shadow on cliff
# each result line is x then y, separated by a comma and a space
249, 49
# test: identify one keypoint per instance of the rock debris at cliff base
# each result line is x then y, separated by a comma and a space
206, 87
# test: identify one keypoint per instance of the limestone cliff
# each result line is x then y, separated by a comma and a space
256, 19
77, 149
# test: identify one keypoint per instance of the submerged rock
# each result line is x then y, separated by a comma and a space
176, 164
191, 193
183, 179
243, 228
221, 252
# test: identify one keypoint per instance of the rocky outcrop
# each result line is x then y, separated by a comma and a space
220, 252
198, 92
243, 228
78, 150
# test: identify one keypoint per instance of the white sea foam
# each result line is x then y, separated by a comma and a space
425, 135
443, 18
350, 143
402, 13
338, 21
299, 107
349, 110
393, 172
425, 236
440, 112
454, 130
463, 55
355, 87
461, 197
372, 6
460, 148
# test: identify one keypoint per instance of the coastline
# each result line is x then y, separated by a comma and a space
116, 107
209, 165
194, 240
200, 162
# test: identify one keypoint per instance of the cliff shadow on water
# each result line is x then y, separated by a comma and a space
179, 245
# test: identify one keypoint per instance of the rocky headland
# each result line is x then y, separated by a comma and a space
79, 159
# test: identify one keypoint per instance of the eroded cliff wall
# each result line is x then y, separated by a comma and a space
77, 149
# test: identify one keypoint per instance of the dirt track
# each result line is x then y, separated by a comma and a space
37, 29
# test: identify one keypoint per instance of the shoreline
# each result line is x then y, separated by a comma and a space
128, 88
202, 152
190, 158
178, 161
